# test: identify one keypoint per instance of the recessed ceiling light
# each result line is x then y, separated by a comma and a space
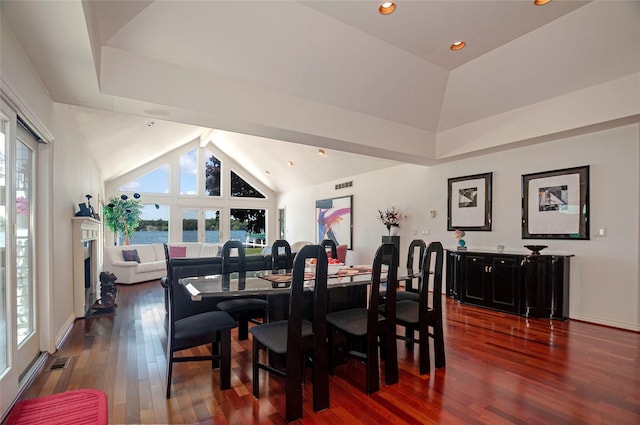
541, 2
321, 152
458, 45
267, 172
387, 8
151, 123
290, 163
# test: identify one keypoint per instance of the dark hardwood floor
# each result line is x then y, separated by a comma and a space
501, 369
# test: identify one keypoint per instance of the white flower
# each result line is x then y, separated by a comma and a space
391, 217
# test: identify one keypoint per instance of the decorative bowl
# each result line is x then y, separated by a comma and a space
535, 249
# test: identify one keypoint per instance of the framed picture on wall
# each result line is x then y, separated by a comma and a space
469, 202
555, 204
334, 220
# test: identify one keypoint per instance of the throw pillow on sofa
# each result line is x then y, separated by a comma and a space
177, 251
130, 255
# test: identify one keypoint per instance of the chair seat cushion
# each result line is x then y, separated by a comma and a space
407, 296
273, 335
352, 321
408, 311
203, 324
242, 304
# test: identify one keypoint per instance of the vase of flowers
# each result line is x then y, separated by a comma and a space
391, 218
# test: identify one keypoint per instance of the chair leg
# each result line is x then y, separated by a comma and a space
216, 354
409, 333
320, 379
256, 369
391, 358
293, 387
169, 370
373, 364
438, 344
330, 352
423, 343
243, 329
225, 359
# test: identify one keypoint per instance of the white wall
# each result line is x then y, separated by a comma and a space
74, 176
604, 271
70, 175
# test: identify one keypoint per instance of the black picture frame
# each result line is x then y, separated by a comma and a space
334, 220
555, 204
469, 200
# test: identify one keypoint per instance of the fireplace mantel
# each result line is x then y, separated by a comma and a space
84, 229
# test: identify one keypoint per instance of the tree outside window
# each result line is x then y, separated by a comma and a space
212, 175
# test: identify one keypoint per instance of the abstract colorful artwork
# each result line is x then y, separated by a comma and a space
334, 220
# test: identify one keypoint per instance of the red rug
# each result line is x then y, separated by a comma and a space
86, 407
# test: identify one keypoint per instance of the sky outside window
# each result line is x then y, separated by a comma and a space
189, 173
156, 181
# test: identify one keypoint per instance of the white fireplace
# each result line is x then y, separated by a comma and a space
86, 241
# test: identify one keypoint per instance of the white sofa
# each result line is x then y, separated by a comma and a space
199, 249
152, 263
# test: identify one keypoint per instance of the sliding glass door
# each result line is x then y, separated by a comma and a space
4, 303
19, 333
24, 252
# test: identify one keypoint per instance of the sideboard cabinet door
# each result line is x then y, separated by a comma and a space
504, 284
546, 287
474, 279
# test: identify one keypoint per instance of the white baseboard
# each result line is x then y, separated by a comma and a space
607, 322
64, 331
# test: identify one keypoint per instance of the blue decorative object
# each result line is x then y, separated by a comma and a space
459, 234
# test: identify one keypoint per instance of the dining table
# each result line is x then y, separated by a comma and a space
347, 286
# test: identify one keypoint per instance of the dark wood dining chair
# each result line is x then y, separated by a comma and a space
233, 263
189, 326
281, 258
367, 331
416, 251
426, 312
242, 309
330, 246
298, 337
414, 264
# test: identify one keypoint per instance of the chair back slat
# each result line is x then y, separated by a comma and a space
281, 258
387, 255
414, 261
296, 300
330, 246
234, 263
432, 265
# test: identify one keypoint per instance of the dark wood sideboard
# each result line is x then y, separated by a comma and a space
517, 283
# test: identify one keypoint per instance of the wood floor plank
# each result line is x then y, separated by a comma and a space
501, 369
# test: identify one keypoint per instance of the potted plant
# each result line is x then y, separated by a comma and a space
122, 216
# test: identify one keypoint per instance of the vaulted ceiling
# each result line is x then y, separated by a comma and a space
271, 81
